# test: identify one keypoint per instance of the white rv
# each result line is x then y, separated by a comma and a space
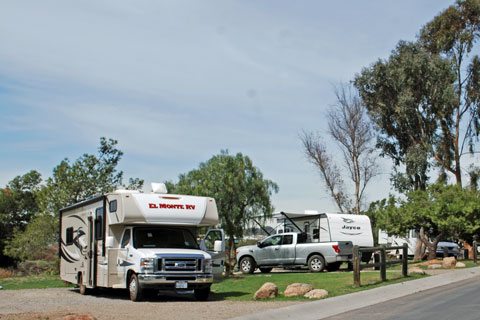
135, 240
326, 227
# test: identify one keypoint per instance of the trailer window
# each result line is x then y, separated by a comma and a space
163, 238
69, 236
126, 238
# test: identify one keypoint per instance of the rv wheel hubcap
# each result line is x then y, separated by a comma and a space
133, 286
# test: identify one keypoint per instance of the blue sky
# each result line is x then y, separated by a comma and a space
177, 81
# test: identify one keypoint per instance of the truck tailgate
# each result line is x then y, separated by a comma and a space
346, 247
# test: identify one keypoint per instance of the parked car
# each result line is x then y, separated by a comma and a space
293, 249
451, 246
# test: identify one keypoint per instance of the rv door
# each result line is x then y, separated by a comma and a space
214, 244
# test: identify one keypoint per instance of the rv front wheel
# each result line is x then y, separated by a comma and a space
316, 263
134, 288
81, 286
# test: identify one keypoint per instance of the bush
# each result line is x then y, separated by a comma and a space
6, 273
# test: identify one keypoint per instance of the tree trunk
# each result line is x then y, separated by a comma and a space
468, 246
230, 259
432, 246
419, 248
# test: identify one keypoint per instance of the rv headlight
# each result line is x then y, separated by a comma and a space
146, 264
208, 266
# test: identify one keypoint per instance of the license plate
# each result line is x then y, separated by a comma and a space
181, 285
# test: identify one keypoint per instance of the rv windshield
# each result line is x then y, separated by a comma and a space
163, 238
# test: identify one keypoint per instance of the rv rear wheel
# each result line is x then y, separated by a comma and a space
247, 265
136, 292
202, 294
82, 287
316, 263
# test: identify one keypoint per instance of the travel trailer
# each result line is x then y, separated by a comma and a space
136, 241
327, 227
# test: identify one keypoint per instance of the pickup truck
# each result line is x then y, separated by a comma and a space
292, 250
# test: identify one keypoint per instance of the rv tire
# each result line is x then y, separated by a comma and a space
202, 294
316, 263
136, 292
82, 287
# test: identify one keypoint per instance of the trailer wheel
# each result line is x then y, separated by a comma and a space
82, 287
136, 292
202, 294
265, 270
316, 263
247, 265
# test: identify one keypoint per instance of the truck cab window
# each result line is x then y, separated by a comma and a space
272, 241
126, 238
287, 239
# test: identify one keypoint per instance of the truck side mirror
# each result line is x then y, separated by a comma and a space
218, 246
109, 241
259, 244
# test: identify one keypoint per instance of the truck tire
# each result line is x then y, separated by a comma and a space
82, 287
136, 292
247, 265
201, 294
334, 266
316, 263
265, 270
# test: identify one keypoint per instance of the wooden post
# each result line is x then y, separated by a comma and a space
383, 261
356, 267
475, 245
405, 260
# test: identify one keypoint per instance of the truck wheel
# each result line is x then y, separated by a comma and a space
265, 270
136, 292
201, 294
334, 266
316, 263
247, 265
82, 287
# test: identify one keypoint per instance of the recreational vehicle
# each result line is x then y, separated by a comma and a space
136, 241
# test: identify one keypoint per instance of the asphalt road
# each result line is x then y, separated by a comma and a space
458, 301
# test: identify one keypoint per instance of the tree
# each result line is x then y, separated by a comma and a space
452, 35
240, 191
350, 129
439, 211
18, 206
405, 96
70, 183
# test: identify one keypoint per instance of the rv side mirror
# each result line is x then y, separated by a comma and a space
218, 246
109, 242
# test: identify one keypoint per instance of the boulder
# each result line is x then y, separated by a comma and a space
460, 265
268, 290
449, 262
316, 294
79, 317
434, 266
297, 289
416, 270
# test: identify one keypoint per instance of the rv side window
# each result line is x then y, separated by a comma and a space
69, 237
126, 238
99, 224
112, 206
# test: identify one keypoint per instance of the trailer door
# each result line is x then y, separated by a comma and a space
214, 244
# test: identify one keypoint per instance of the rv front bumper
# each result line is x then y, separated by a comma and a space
166, 280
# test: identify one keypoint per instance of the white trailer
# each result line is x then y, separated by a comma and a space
135, 240
410, 239
327, 227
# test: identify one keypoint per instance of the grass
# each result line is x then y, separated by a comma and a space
33, 282
242, 287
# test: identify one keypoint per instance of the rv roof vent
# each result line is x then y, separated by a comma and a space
311, 212
159, 187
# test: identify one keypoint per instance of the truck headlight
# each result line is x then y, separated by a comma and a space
208, 266
146, 264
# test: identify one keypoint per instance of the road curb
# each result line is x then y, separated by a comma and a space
322, 309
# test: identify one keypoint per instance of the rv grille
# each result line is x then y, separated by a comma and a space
179, 265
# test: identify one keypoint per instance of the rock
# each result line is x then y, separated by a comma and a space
416, 270
297, 289
268, 290
79, 317
449, 262
316, 294
434, 266
460, 265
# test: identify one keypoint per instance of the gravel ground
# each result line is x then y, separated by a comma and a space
57, 303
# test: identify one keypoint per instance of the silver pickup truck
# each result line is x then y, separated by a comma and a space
293, 249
